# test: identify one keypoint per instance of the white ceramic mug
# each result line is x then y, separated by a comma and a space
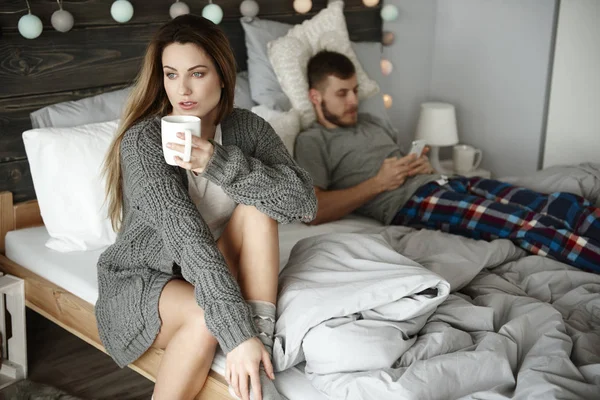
466, 158
169, 126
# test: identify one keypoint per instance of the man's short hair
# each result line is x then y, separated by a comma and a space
326, 63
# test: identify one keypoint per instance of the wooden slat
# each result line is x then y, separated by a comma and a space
16, 178
97, 12
73, 313
27, 214
85, 58
7, 221
77, 316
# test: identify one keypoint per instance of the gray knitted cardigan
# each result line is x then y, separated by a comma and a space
163, 235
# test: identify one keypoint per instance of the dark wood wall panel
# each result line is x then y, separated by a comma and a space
31, 66
16, 177
100, 55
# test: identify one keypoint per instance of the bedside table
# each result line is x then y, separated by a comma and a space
448, 166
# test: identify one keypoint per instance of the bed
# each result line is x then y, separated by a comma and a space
513, 326
63, 287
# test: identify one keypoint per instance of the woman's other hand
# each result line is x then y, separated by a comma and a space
202, 151
243, 364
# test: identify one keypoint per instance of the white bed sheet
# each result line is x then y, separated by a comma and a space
76, 273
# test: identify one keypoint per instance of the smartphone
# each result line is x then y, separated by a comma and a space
417, 147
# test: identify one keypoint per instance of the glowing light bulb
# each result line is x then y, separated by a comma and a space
387, 38
386, 67
213, 12
30, 26
178, 8
302, 6
121, 11
370, 3
62, 20
249, 9
389, 12
387, 101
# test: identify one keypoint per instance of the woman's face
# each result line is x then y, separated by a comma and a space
191, 80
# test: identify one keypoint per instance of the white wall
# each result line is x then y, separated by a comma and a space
573, 131
411, 55
490, 58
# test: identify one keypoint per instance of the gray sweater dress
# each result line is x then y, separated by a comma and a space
164, 237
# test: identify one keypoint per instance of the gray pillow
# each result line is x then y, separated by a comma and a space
264, 86
100, 108
242, 97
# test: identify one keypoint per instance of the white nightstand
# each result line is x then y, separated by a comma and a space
448, 166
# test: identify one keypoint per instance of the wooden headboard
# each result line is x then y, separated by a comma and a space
100, 55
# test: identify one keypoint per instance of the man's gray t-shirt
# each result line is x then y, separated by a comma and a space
343, 157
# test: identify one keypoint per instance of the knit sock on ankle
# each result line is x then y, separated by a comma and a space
264, 314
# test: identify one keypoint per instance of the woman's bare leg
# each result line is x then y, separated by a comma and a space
250, 244
251, 249
189, 346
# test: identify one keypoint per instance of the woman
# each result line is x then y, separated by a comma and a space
167, 281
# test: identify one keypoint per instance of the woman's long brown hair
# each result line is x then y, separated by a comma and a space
148, 97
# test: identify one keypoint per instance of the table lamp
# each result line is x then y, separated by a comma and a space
437, 127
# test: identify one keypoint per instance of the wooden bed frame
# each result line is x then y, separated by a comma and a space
67, 310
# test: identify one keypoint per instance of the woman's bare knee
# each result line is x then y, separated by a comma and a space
253, 212
196, 331
179, 310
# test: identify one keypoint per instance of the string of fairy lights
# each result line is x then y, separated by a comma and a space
30, 26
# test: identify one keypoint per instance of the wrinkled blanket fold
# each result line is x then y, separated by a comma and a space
348, 287
515, 325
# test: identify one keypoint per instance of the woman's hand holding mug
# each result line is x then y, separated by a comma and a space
182, 143
200, 154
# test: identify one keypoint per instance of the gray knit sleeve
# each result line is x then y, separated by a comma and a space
269, 179
156, 191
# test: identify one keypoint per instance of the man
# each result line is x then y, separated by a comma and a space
357, 166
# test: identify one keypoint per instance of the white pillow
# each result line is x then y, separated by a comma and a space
65, 165
286, 124
289, 56
100, 108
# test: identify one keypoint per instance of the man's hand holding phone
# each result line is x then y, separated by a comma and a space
421, 164
393, 172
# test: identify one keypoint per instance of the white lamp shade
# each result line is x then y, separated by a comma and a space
437, 124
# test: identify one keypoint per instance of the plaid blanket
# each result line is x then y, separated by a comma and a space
560, 225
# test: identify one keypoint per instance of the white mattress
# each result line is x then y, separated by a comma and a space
76, 273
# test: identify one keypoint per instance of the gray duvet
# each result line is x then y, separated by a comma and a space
398, 313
